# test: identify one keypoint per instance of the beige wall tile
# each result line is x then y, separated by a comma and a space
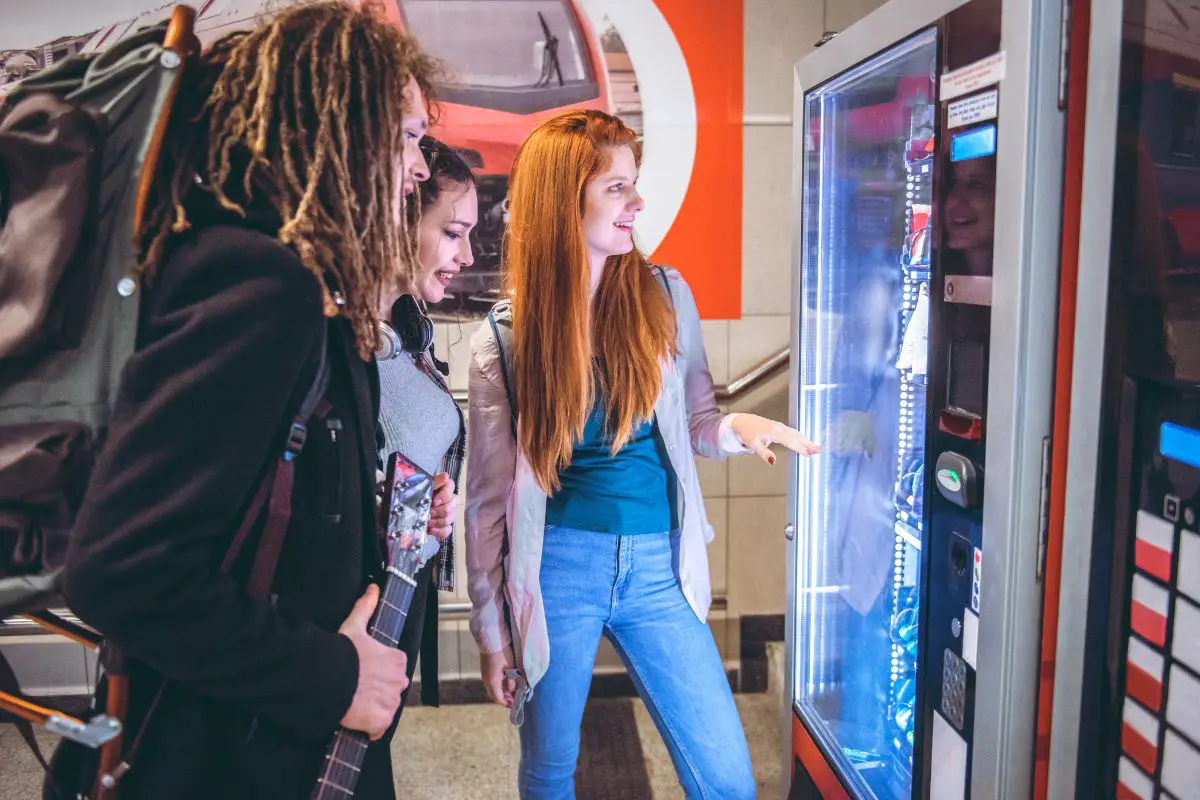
753, 339
767, 211
777, 34
468, 664
449, 648
757, 555
841, 14
714, 476
750, 476
716, 347
723, 627
718, 549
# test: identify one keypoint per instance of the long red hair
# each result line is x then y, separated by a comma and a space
562, 343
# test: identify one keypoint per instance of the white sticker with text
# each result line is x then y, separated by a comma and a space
980, 75
976, 108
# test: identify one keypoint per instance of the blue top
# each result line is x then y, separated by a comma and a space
630, 493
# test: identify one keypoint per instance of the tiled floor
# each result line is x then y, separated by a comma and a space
484, 748
470, 751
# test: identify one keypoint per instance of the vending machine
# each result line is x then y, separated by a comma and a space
928, 146
1126, 709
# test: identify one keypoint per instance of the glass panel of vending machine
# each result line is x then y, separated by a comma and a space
867, 206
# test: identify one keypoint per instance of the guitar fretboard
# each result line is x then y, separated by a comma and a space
344, 759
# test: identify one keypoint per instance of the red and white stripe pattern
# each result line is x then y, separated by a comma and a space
1144, 672
1139, 736
1151, 605
1132, 783
1155, 546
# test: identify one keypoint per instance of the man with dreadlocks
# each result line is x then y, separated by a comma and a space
277, 212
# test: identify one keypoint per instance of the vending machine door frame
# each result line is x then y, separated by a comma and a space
1087, 379
1028, 234
1031, 133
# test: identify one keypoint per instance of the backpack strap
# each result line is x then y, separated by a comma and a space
512, 405
275, 491
661, 272
279, 508
662, 277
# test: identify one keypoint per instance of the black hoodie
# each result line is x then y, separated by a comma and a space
227, 346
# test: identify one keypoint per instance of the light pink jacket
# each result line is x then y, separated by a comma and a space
503, 496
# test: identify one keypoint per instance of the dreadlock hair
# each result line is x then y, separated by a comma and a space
302, 115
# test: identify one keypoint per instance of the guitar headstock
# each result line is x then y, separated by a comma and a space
409, 495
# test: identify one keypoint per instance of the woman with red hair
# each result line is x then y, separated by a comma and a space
589, 391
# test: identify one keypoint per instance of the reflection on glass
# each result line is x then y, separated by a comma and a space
867, 211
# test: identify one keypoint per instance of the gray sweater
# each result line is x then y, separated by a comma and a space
418, 417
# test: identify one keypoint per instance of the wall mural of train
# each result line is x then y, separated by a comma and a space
514, 63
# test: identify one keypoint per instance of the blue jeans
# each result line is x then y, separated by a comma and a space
624, 587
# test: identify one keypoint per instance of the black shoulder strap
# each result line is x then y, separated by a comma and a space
314, 396
275, 483
512, 404
662, 277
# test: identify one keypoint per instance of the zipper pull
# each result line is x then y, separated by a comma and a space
517, 715
333, 426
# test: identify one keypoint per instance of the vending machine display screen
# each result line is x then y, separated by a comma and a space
975, 143
1180, 444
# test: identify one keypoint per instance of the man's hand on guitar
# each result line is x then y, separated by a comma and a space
445, 507
382, 675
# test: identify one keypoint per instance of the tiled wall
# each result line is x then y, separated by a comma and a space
746, 500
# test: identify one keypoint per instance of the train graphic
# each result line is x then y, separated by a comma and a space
513, 64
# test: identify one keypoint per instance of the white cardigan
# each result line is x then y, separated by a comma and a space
503, 496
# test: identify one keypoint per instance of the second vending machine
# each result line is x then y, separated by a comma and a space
906, 268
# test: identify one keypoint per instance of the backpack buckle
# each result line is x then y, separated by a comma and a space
297, 436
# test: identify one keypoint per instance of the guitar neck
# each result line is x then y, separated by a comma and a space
344, 759
397, 596
343, 764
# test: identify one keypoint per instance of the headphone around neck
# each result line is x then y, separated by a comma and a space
410, 330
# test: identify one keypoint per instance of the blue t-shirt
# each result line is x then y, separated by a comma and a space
630, 493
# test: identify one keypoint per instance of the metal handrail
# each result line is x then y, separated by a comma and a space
756, 375
760, 372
